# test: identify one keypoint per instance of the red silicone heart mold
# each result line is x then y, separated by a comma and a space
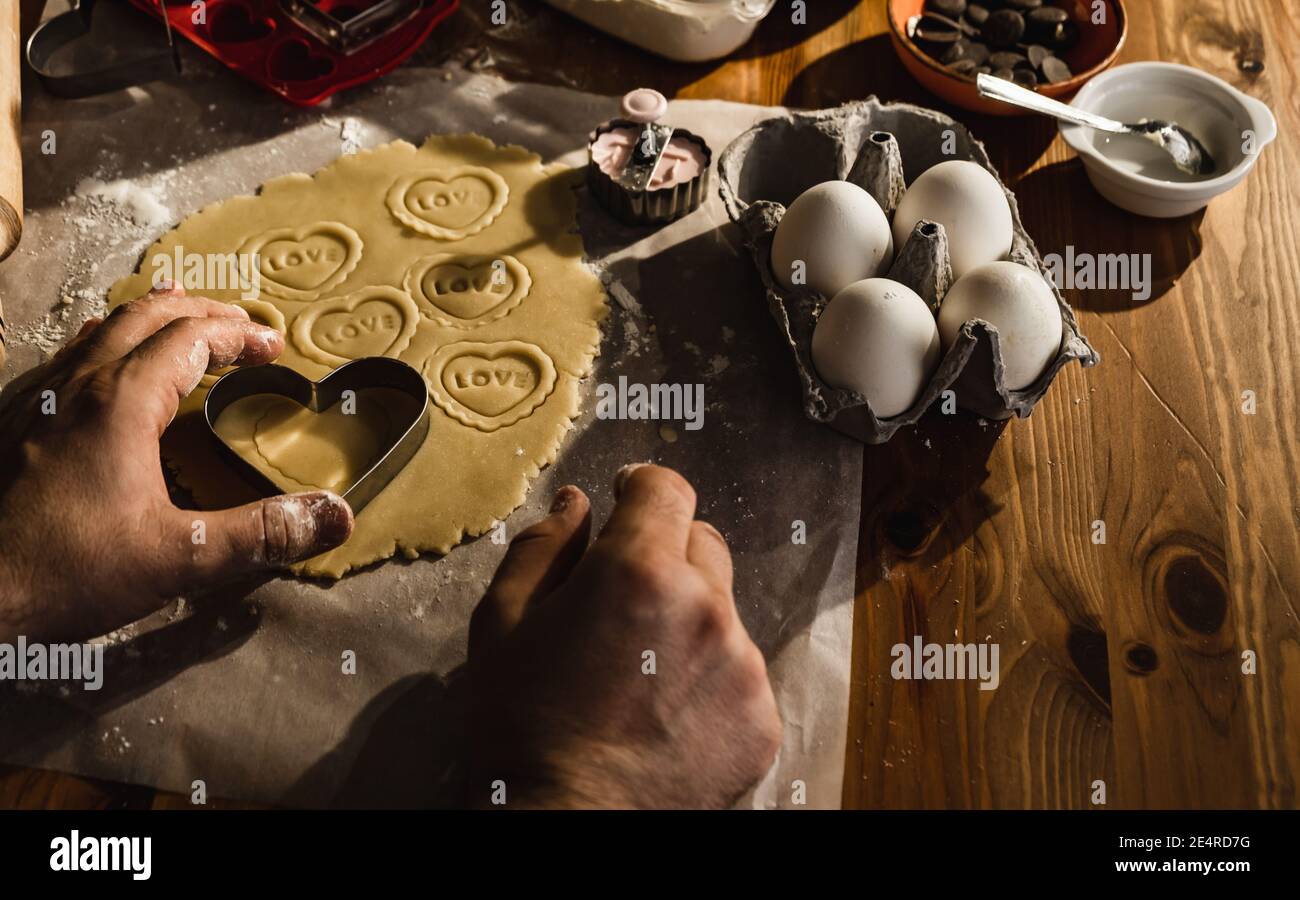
234, 23
260, 41
295, 60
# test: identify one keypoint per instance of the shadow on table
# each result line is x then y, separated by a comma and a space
401, 751
52, 714
1061, 209
871, 66
778, 32
853, 72
922, 492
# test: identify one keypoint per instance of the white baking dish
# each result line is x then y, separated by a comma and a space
1215, 111
684, 30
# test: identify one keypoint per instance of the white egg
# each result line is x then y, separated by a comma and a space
840, 235
1017, 302
878, 338
970, 205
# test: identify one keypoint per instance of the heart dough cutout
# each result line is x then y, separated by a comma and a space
262, 313
302, 450
464, 292
449, 204
328, 451
303, 263
374, 321
490, 386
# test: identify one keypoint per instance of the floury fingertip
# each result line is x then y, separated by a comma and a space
620, 480
309, 524
564, 498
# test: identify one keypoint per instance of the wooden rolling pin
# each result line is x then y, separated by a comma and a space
11, 156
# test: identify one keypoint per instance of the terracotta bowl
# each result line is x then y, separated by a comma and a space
1097, 49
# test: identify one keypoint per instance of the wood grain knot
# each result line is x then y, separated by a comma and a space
1140, 658
1090, 654
1196, 596
910, 528
1245, 44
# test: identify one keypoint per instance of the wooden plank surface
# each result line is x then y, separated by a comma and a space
1120, 661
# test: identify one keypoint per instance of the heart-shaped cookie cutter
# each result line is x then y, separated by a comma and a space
156, 58
360, 374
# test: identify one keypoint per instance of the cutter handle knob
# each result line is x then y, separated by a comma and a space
644, 105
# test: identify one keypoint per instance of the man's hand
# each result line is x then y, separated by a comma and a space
89, 540
620, 675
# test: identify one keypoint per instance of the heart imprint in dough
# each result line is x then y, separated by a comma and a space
490, 386
451, 204
303, 263
374, 321
463, 292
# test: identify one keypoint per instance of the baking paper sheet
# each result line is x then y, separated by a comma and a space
242, 688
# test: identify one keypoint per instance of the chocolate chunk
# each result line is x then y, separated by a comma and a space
976, 14
1007, 59
1023, 6
955, 53
982, 70
1004, 74
962, 67
1067, 37
1047, 15
1003, 28
1054, 39
931, 31
1045, 23
974, 51
1055, 70
1037, 53
950, 8
1024, 77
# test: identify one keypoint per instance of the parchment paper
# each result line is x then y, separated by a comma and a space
242, 688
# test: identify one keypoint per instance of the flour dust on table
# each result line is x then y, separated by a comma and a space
460, 258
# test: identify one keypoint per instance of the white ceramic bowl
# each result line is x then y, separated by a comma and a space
1135, 174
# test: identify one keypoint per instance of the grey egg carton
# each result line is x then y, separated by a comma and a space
881, 147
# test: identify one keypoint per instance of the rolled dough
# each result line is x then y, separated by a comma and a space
459, 257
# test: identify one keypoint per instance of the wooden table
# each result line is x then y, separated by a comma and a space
1122, 661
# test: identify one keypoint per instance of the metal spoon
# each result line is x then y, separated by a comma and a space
1188, 154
